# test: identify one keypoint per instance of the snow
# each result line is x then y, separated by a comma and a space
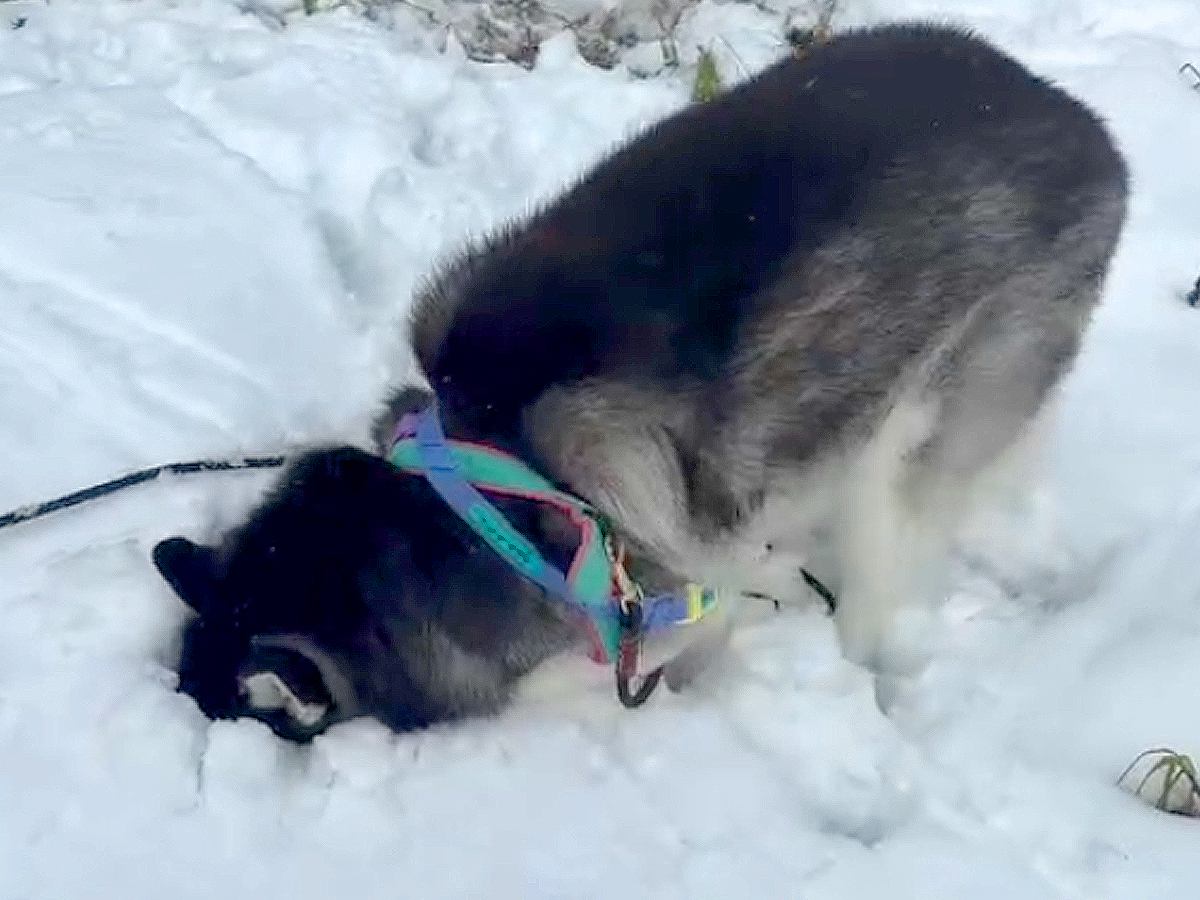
209, 226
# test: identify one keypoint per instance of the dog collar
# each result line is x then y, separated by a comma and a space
595, 587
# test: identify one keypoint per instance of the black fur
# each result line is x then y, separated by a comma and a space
363, 562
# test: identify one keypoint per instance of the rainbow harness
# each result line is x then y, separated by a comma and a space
610, 607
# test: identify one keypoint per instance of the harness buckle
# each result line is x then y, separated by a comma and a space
629, 592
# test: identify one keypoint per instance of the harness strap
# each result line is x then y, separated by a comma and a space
596, 589
422, 447
442, 471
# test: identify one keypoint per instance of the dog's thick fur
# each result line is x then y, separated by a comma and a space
820, 304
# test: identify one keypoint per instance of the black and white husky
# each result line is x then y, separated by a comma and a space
822, 304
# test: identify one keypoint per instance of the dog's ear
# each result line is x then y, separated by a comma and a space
292, 674
276, 679
190, 569
407, 400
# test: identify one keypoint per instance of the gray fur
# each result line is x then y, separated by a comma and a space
911, 347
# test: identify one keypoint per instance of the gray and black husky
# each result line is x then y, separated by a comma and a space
822, 304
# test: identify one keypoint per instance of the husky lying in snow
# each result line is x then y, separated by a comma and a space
821, 304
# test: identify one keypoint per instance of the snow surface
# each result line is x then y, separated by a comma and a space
209, 226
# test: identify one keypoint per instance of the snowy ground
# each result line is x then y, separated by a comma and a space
208, 228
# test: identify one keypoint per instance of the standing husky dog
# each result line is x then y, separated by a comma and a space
821, 303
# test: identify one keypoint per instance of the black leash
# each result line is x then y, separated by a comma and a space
823, 592
96, 491
812, 581
37, 510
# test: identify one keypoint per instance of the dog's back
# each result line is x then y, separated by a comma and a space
856, 276
658, 260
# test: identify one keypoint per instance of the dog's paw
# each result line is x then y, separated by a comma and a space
682, 670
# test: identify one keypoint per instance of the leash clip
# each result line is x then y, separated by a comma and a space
629, 653
631, 618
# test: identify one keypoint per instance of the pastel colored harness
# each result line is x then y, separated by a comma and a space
609, 606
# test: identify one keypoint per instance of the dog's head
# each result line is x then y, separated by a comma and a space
353, 590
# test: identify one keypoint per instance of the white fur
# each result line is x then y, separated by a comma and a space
879, 535
868, 522
267, 691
